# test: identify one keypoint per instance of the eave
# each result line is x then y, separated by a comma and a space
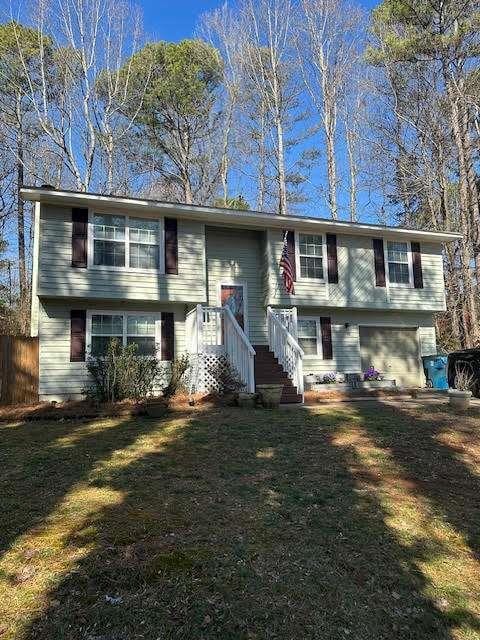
228, 217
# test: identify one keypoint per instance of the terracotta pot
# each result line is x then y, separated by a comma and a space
270, 394
459, 399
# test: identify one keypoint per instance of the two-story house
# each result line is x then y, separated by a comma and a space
179, 278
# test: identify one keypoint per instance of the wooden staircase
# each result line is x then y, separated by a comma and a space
269, 371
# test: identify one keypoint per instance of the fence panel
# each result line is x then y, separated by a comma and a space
18, 370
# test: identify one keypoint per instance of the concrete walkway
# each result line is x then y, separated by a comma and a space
423, 400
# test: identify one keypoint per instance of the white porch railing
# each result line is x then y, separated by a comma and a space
239, 351
288, 317
214, 331
285, 346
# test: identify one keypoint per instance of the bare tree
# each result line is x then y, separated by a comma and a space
328, 43
79, 92
220, 29
269, 65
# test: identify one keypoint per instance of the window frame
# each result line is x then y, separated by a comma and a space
316, 319
124, 314
401, 285
126, 267
298, 255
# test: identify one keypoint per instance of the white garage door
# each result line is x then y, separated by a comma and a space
394, 352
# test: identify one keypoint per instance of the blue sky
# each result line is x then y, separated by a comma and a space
176, 19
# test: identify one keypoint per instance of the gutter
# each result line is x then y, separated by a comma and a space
228, 217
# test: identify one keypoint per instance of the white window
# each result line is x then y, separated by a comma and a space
399, 263
143, 240
105, 327
308, 332
109, 240
310, 251
142, 329
126, 242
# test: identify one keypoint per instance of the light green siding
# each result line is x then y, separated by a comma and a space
58, 377
236, 256
356, 280
346, 339
58, 278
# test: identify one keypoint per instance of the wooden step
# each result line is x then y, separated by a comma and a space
269, 371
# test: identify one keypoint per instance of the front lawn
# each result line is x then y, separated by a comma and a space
359, 522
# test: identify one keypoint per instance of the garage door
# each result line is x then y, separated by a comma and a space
394, 352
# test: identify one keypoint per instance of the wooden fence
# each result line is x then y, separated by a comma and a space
18, 370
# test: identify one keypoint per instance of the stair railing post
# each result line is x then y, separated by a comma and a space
295, 323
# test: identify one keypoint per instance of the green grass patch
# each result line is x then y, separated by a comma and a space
223, 524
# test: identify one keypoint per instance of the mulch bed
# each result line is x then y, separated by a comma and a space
317, 397
83, 409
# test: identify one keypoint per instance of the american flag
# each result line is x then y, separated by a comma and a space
286, 266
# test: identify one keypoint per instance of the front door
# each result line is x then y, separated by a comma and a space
233, 296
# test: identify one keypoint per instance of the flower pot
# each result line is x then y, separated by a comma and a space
459, 399
310, 378
246, 400
270, 394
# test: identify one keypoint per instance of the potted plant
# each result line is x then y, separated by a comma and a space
372, 374
270, 394
330, 377
246, 400
459, 397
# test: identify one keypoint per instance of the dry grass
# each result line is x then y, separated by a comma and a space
350, 522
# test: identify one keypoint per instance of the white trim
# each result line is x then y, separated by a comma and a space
230, 217
112, 312
301, 278
34, 305
319, 354
399, 285
90, 240
235, 283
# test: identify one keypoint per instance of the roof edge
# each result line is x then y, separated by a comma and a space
229, 216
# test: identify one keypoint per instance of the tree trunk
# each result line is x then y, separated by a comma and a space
22, 269
352, 166
470, 314
282, 190
330, 126
224, 166
261, 163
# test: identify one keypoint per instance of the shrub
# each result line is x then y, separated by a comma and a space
464, 379
226, 377
121, 374
177, 374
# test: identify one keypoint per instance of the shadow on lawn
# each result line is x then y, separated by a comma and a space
40, 462
245, 524
434, 465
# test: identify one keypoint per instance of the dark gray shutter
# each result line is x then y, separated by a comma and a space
379, 257
291, 252
78, 327
417, 265
168, 336
171, 245
326, 328
332, 258
79, 237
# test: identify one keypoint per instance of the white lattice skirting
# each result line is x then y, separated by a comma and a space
200, 377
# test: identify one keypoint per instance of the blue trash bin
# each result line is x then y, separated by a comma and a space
436, 371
